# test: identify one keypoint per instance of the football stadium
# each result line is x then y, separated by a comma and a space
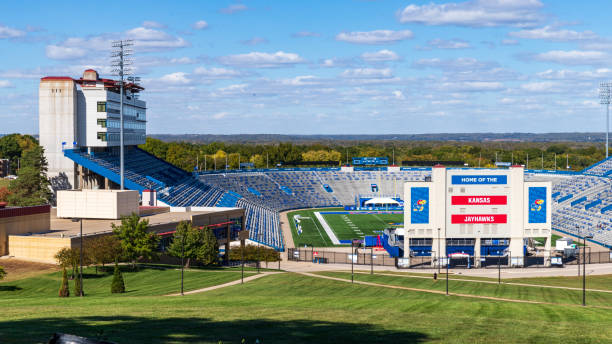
111, 233
369, 237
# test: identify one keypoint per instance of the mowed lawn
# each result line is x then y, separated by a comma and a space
143, 281
509, 291
291, 308
345, 226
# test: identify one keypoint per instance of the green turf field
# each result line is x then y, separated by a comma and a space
292, 308
346, 227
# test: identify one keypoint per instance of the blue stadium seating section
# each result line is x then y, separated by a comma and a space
582, 202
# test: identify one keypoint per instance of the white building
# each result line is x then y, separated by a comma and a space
476, 213
84, 114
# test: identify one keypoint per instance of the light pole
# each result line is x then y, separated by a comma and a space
584, 269
604, 99
121, 64
182, 260
371, 260
352, 262
579, 251
447, 261
80, 220
439, 253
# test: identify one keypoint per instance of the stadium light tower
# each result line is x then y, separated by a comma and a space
121, 63
604, 99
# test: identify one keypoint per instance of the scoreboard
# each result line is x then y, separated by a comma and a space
370, 161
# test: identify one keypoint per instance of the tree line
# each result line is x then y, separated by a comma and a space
535, 155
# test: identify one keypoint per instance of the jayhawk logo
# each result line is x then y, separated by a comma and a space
419, 205
537, 205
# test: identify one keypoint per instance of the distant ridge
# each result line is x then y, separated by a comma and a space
462, 137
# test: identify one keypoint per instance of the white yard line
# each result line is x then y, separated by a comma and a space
330, 233
318, 230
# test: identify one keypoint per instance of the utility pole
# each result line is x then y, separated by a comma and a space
527, 160
121, 62
542, 160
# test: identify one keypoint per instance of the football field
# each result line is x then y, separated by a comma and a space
345, 225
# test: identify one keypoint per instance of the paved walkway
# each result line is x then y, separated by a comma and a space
487, 282
219, 286
507, 273
439, 292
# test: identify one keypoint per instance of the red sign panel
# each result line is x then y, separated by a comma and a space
479, 200
479, 218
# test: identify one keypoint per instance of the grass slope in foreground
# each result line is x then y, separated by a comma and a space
345, 227
290, 308
144, 281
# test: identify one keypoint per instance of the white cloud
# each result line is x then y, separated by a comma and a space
454, 43
574, 57
565, 74
178, 78
509, 42
374, 37
255, 41
302, 34
145, 40
367, 73
262, 60
379, 56
5, 84
461, 63
541, 86
553, 34
200, 25
474, 13
153, 24
472, 86
58, 52
303, 80
234, 8
398, 94
7, 32
220, 115
217, 73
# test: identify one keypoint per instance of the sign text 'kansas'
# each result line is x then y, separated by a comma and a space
471, 179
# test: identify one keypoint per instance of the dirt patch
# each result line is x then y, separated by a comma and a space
18, 269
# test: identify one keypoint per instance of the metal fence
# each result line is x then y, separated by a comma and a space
368, 257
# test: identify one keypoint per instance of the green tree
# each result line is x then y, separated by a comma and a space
2, 273
68, 258
64, 290
32, 186
117, 285
103, 250
136, 241
209, 253
198, 244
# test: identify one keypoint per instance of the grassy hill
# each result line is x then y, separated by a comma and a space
287, 308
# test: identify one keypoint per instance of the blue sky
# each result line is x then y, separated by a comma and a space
324, 67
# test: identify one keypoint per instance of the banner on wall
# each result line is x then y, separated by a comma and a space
537, 204
479, 218
419, 205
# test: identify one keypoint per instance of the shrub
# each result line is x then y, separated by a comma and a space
64, 291
117, 285
2, 273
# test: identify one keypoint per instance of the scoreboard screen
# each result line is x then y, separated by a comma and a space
371, 161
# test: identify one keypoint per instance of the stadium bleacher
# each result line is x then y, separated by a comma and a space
582, 202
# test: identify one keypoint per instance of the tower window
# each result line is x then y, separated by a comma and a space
101, 106
102, 122
102, 136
